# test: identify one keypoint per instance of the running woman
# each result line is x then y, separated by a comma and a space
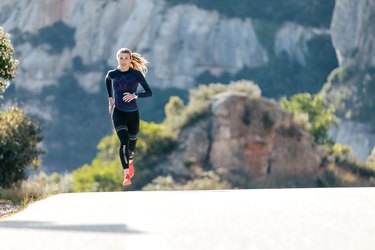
122, 84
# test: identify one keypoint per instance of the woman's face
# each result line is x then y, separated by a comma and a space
124, 60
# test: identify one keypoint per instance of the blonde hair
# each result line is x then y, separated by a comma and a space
138, 61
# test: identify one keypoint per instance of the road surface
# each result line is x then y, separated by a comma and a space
301, 219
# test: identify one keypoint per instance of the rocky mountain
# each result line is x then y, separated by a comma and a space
353, 32
176, 40
250, 143
66, 47
351, 87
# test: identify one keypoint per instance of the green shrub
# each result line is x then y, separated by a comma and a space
339, 158
206, 181
19, 137
105, 172
320, 115
173, 112
179, 116
8, 65
338, 153
37, 187
100, 176
248, 87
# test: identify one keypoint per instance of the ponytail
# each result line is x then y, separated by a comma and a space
138, 61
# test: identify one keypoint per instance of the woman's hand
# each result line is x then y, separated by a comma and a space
110, 105
129, 97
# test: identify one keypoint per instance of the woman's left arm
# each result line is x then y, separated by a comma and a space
147, 90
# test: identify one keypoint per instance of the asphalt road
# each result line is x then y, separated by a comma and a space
279, 219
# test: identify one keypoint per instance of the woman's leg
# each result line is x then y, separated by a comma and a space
133, 129
123, 135
120, 124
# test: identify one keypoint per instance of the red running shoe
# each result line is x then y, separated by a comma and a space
131, 169
127, 180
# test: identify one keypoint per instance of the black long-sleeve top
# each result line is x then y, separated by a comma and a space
118, 82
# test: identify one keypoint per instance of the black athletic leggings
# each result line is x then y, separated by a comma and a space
126, 125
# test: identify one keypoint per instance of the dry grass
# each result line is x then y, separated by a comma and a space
21, 195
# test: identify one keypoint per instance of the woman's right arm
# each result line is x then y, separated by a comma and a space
108, 83
110, 104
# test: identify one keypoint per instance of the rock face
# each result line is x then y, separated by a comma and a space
361, 142
353, 36
250, 143
180, 41
353, 32
292, 39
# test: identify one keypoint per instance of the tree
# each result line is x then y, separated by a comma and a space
320, 116
19, 137
8, 65
173, 112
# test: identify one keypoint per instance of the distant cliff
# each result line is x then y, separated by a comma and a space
180, 42
66, 47
351, 87
353, 32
